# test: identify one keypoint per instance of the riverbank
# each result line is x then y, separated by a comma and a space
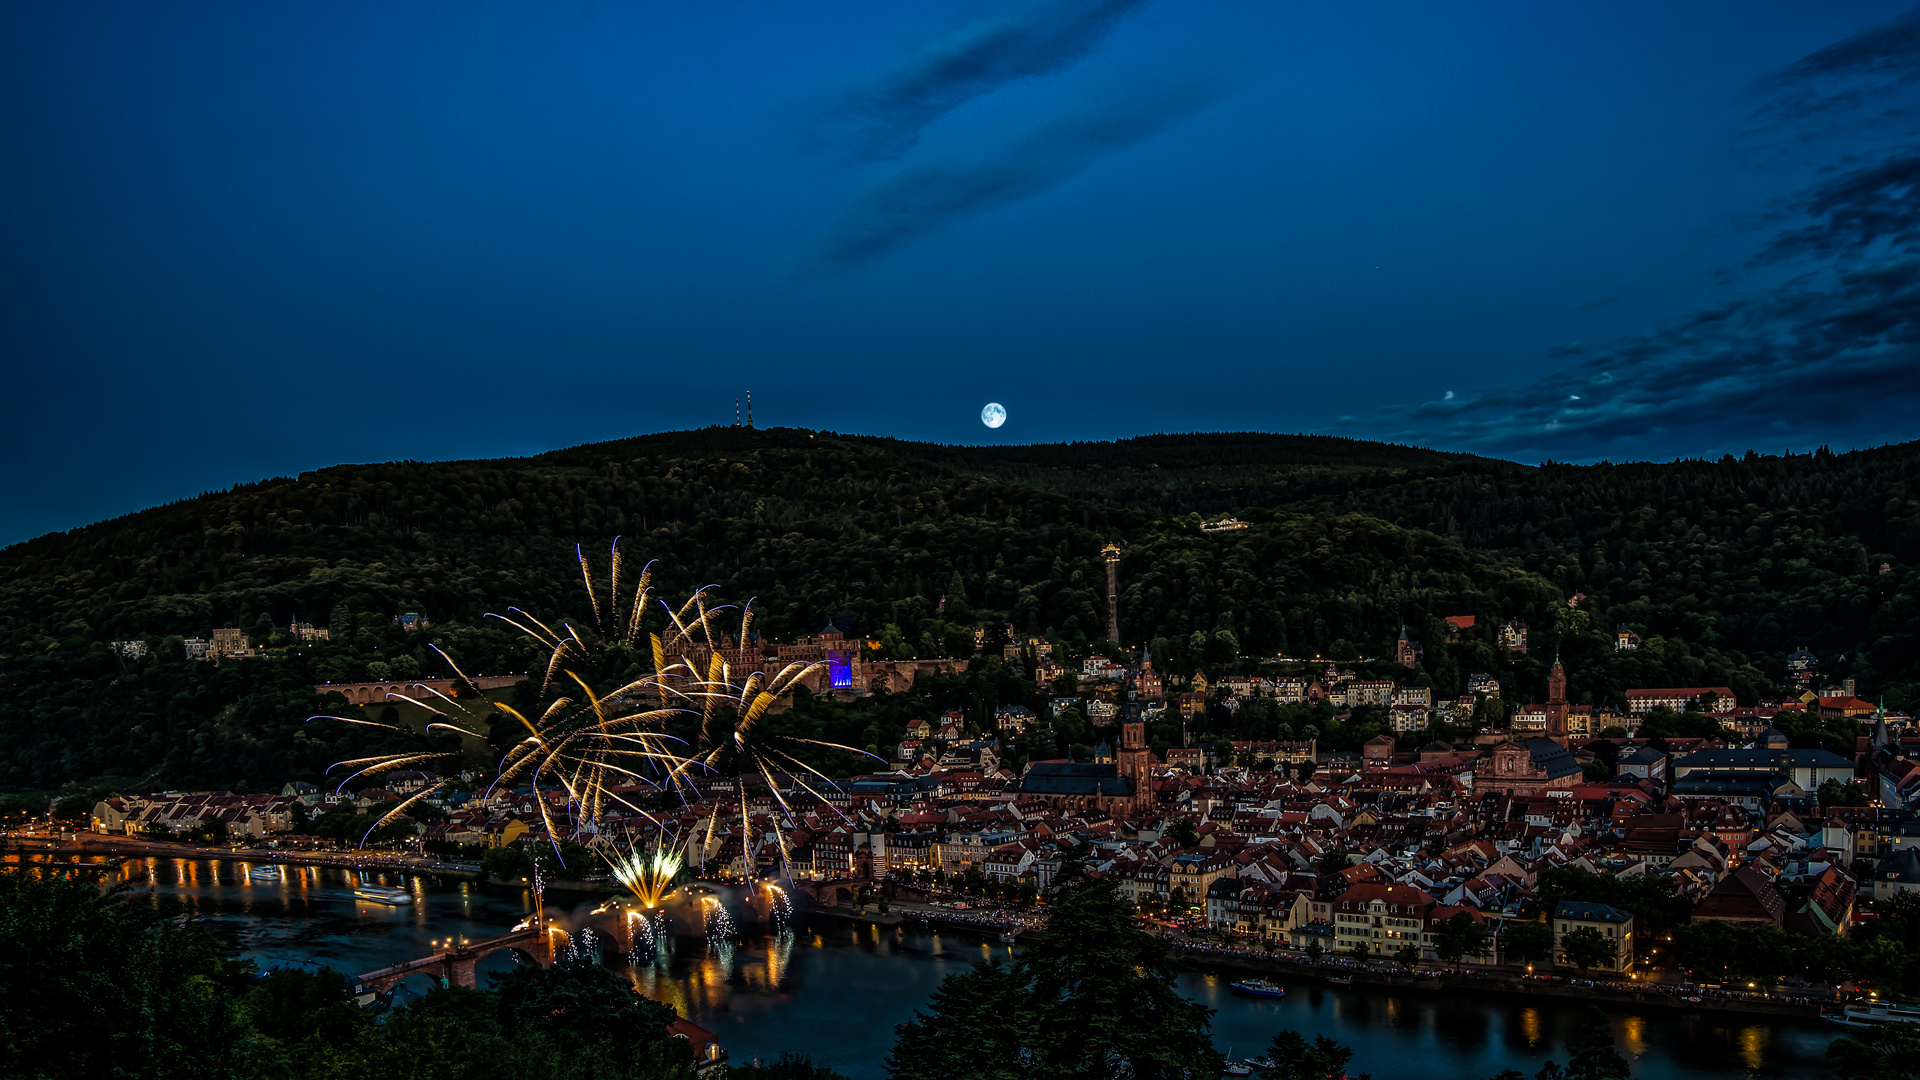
767, 992
1425, 981
1498, 984
91, 844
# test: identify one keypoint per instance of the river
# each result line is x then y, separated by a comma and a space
834, 990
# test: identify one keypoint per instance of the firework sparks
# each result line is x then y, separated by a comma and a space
641, 930
595, 746
778, 906
735, 740
649, 875
720, 928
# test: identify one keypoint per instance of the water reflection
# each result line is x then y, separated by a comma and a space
1753, 1046
1633, 1036
1530, 1027
835, 990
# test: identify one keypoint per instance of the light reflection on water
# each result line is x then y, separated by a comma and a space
835, 990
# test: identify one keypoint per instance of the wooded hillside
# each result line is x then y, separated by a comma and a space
1726, 567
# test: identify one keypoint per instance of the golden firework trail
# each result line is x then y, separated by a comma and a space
649, 875
589, 745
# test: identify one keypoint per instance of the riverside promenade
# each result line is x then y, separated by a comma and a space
1425, 979
92, 844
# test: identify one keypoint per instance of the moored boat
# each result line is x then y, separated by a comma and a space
264, 873
1259, 988
1873, 1014
1340, 980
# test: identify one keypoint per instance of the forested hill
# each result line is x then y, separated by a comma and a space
1728, 565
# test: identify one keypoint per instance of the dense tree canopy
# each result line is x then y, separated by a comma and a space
101, 984
1093, 997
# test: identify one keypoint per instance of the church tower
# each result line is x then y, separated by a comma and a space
1557, 703
1132, 761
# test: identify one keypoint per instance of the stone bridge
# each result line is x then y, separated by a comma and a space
832, 892
453, 966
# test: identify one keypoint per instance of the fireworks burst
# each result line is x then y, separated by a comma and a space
735, 740
649, 875
596, 746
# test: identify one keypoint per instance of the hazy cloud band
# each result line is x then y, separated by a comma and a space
884, 120
922, 199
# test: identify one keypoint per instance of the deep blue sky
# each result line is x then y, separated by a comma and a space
246, 239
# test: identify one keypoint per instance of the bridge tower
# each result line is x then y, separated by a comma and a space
1112, 554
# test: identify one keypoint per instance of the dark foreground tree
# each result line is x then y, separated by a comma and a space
788, 1066
1093, 998
978, 1026
99, 983
1294, 1058
1886, 1052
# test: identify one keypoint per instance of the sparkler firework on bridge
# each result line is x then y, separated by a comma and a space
650, 875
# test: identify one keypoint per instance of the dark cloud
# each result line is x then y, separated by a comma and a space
1866, 79
1890, 49
921, 199
1810, 362
1860, 213
884, 121
1835, 348
1832, 355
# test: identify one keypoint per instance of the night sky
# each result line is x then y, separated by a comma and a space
241, 240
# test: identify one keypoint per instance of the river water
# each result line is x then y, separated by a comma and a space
834, 990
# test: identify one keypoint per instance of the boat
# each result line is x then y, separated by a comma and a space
1873, 1014
1237, 1068
1259, 988
380, 894
264, 873
1340, 980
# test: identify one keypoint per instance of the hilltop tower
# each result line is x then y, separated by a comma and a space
1112, 554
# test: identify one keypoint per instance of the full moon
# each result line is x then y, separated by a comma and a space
993, 415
